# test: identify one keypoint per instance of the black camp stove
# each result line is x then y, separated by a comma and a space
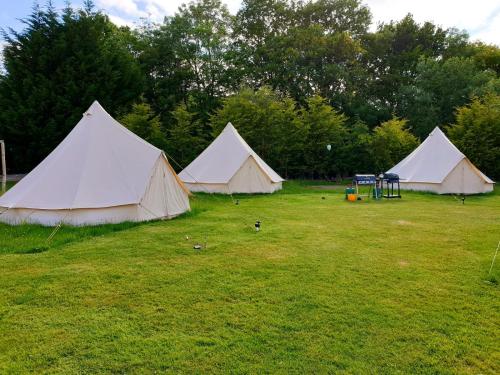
389, 182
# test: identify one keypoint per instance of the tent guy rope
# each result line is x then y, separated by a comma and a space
494, 257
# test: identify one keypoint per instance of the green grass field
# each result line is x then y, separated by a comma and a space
327, 286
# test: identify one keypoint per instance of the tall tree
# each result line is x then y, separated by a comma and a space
476, 132
487, 57
189, 58
324, 145
390, 143
337, 16
143, 122
55, 68
358, 156
391, 58
185, 140
438, 89
256, 24
301, 49
269, 123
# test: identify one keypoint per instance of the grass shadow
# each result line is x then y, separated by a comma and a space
34, 239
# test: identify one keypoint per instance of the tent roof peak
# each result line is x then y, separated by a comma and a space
94, 108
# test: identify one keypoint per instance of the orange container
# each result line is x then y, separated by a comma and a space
351, 197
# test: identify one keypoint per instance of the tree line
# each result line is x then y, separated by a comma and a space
293, 76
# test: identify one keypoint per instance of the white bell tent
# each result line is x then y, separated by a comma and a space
438, 166
228, 165
100, 173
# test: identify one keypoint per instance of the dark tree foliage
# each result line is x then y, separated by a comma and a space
391, 56
337, 16
292, 76
477, 133
325, 132
185, 138
188, 58
269, 123
301, 49
358, 153
438, 89
142, 121
55, 68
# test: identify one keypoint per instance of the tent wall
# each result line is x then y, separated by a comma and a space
225, 189
438, 166
463, 179
421, 186
81, 216
249, 179
208, 188
164, 198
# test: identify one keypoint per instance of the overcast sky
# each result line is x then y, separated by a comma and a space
481, 18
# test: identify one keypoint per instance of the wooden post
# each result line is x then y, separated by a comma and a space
4, 166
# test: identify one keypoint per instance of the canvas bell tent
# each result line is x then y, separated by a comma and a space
438, 166
100, 173
228, 166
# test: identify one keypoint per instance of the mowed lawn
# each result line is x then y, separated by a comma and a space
327, 286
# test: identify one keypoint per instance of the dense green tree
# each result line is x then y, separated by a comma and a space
55, 69
487, 57
324, 145
256, 25
269, 123
391, 56
301, 49
311, 70
167, 76
307, 62
189, 58
337, 16
143, 122
358, 157
184, 138
438, 89
476, 133
205, 30
391, 142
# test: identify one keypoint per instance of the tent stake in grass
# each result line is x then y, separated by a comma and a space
56, 229
494, 257
4, 166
